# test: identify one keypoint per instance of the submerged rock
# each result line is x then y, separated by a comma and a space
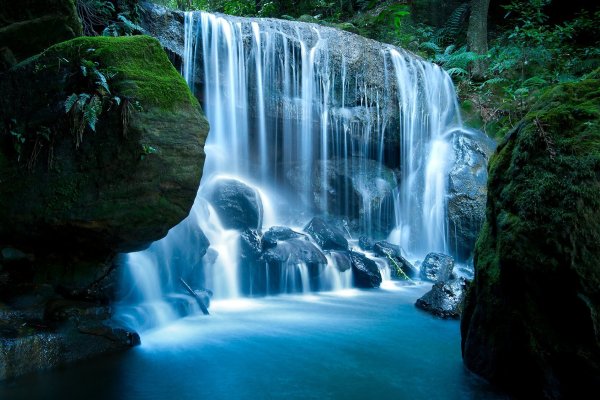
437, 267
393, 255
327, 236
365, 271
238, 205
445, 299
467, 190
532, 323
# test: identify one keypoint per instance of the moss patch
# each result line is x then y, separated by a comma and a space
144, 71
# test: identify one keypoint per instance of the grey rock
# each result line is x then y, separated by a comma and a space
393, 255
437, 267
327, 236
294, 251
238, 205
365, 271
467, 190
444, 299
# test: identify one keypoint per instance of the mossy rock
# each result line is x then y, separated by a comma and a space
111, 193
532, 322
27, 27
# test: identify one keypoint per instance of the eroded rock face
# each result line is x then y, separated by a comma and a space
532, 323
120, 190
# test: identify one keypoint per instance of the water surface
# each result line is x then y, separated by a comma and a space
345, 345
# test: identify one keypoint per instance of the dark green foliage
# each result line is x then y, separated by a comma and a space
109, 17
27, 27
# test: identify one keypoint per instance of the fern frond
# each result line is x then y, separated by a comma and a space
92, 111
455, 72
431, 46
70, 102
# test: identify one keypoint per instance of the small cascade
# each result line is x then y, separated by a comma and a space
301, 120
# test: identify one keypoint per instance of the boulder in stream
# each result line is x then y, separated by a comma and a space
327, 236
365, 271
445, 299
238, 205
437, 267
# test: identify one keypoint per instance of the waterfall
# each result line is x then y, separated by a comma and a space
316, 128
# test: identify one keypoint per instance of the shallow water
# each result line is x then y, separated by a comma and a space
344, 345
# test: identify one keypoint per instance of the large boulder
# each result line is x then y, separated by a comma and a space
445, 299
126, 184
467, 189
532, 319
238, 205
327, 236
28, 27
365, 271
437, 267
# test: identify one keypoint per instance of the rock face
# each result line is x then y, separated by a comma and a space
239, 206
120, 190
467, 190
445, 299
29, 26
532, 321
437, 267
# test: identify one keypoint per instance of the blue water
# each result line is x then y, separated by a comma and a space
350, 345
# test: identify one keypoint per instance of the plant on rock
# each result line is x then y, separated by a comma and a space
85, 108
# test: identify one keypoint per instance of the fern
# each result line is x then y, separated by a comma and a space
457, 72
70, 102
431, 46
91, 112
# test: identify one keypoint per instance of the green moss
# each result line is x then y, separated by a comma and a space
144, 71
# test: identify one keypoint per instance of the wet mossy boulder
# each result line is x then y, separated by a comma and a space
531, 322
27, 27
128, 182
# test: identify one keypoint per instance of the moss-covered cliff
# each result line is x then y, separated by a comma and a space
532, 322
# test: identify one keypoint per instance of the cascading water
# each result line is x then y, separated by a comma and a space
300, 117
